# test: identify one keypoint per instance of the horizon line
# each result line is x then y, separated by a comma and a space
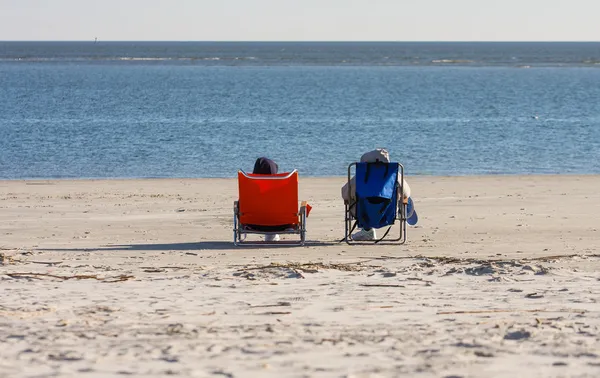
95, 40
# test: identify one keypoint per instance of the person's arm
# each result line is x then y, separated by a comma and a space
346, 195
405, 189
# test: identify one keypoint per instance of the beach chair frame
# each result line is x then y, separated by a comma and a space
350, 221
240, 230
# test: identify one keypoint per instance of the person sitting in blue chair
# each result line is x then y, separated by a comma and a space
383, 156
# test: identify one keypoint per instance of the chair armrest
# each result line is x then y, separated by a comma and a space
302, 209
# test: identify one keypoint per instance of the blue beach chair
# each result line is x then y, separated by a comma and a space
376, 202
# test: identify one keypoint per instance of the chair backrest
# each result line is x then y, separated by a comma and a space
268, 200
376, 194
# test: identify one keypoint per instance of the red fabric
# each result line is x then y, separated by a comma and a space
267, 200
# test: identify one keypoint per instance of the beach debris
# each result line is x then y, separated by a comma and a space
298, 273
153, 270
171, 359
311, 267
484, 269
419, 279
465, 261
175, 328
118, 278
294, 270
49, 263
167, 267
278, 304
6, 260
534, 295
480, 353
61, 323
246, 275
223, 373
69, 355
500, 279
517, 335
575, 311
275, 313
381, 285
536, 269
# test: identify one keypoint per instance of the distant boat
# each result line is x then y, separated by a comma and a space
96, 40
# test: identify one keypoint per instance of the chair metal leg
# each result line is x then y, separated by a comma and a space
348, 228
236, 232
302, 225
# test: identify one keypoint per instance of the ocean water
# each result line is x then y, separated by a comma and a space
132, 109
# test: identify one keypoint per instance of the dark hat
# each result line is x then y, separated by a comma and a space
265, 166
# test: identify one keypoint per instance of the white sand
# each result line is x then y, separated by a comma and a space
140, 277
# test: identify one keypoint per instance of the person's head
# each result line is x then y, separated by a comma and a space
265, 166
379, 154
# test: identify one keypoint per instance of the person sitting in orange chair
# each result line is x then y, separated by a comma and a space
266, 166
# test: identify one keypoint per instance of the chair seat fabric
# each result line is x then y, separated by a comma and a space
376, 194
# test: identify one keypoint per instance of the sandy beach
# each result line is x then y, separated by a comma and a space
140, 277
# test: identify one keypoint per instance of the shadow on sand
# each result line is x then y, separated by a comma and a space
195, 246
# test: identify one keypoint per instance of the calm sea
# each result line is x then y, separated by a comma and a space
199, 109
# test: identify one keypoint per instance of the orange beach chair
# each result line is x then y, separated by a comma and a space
267, 205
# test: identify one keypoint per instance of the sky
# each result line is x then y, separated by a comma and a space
300, 20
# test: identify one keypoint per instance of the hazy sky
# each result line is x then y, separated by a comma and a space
301, 20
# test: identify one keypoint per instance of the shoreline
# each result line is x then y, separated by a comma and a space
233, 177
